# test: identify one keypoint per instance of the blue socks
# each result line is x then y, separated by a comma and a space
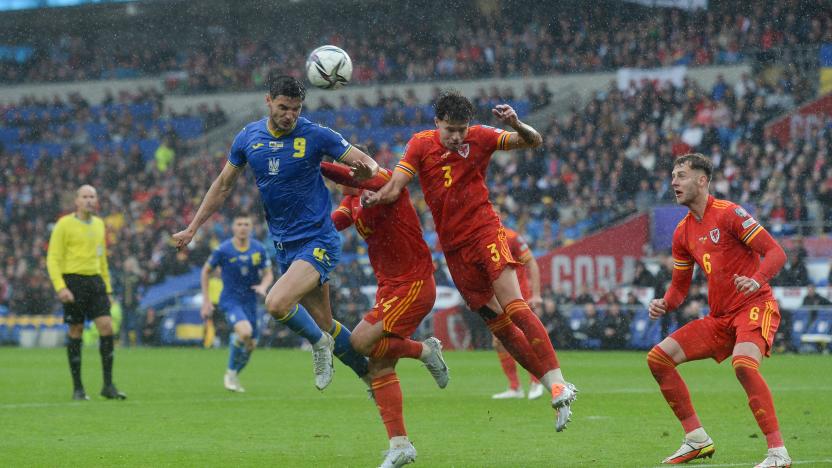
344, 350
238, 356
300, 322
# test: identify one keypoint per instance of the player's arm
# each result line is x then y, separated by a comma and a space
104, 266
341, 174
267, 278
679, 281
387, 194
523, 136
363, 166
342, 216
534, 276
54, 263
207, 309
754, 235
213, 200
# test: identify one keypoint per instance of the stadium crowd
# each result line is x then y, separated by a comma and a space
562, 38
605, 160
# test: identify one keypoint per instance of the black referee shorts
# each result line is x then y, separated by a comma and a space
91, 299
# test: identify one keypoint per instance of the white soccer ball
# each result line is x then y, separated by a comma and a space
328, 67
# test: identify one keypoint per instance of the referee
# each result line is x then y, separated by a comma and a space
77, 263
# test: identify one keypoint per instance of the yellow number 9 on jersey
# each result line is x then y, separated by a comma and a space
300, 148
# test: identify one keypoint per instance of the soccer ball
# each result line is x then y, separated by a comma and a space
328, 67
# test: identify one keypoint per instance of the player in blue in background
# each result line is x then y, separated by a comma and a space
285, 152
246, 271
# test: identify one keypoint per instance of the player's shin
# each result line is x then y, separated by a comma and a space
759, 398
106, 349
673, 388
394, 347
345, 352
531, 326
509, 369
388, 397
299, 321
515, 343
73, 351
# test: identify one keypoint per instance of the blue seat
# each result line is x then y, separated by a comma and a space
799, 325
822, 324
639, 328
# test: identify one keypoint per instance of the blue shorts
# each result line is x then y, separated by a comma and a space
322, 252
236, 311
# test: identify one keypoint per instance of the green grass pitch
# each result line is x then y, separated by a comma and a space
178, 413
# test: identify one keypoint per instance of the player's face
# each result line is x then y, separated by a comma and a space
284, 111
451, 134
86, 200
688, 184
241, 228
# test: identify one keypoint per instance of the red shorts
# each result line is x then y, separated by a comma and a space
402, 306
474, 267
715, 337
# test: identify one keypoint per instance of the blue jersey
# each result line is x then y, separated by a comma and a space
287, 168
240, 270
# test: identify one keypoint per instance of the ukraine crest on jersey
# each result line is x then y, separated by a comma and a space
287, 169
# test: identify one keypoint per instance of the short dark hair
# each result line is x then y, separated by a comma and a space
241, 214
284, 85
697, 161
452, 106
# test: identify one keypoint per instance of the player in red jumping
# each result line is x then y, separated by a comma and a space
528, 275
726, 243
451, 162
406, 292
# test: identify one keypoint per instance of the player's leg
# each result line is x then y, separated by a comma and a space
509, 367
73, 351
317, 302
240, 347
99, 313
299, 280
755, 333
693, 341
387, 394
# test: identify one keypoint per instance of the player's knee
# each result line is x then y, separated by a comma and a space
278, 307
361, 344
379, 367
75, 330
658, 360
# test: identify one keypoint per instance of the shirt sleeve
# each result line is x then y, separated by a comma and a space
342, 216
237, 153
332, 143
751, 233
55, 256
740, 224
215, 258
682, 272
411, 162
491, 137
105, 268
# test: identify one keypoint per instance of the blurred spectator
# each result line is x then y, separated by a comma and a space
616, 328
794, 274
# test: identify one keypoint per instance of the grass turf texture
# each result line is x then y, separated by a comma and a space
178, 413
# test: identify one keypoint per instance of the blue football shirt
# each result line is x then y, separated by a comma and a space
287, 168
240, 270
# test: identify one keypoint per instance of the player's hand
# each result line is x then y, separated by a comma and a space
261, 289
183, 238
363, 171
505, 114
657, 308
66, 296
745, 285
207, 310
535, 302
369, 198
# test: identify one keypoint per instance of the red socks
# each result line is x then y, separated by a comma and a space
510, 369
388, 396
396, 347
531, 326
759, 398
515, 343
673, 388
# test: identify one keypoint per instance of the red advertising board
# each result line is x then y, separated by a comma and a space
801, 122
599, 261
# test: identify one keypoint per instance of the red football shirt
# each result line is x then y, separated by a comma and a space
397, 250
454, 181
521, 252
719, 244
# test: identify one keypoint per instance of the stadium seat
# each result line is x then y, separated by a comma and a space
799, 325
639, 327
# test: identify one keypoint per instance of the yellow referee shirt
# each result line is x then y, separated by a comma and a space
77, 247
